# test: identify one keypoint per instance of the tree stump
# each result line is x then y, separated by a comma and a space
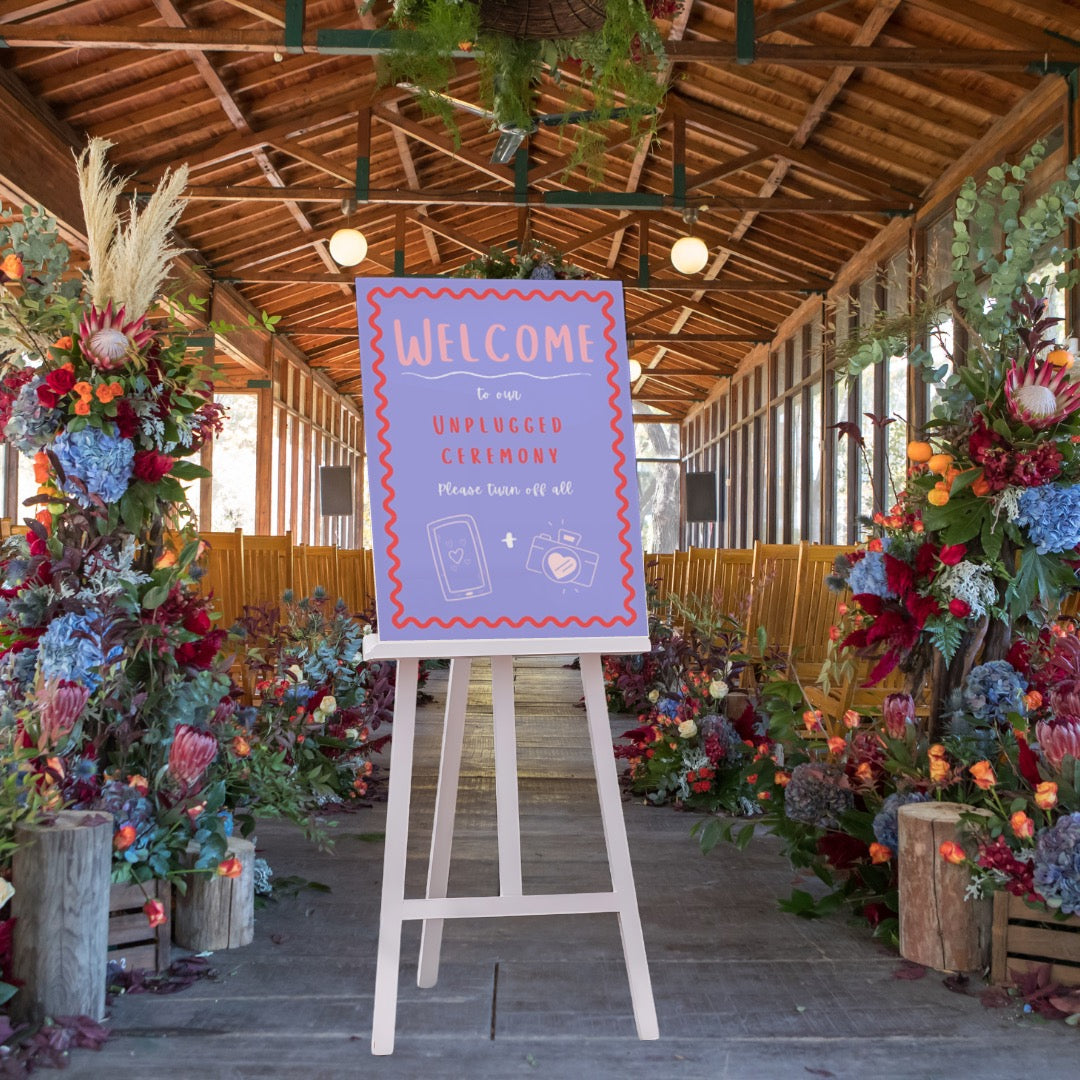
939, 927
61, 873
217, 912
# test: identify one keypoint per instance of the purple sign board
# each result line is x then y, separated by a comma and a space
500, 454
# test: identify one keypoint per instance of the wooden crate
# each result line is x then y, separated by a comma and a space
131, 937
1023, 938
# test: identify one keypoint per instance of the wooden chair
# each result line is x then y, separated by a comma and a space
357, 580
223, 562
268, 568
772, 598
317, 567
732, 579
815, 612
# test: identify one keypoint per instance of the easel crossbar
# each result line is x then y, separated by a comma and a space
480, 907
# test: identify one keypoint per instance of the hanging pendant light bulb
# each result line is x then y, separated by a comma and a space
635, 371
689, 253
348, 246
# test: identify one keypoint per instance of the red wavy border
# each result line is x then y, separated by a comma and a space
398, 617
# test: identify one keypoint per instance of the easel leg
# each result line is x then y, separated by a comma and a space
442, 829
618, 851
506, 785
397, 840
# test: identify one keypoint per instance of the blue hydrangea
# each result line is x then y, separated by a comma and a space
1051, 516
32, 424
71, 649
1057, 864
993, 690
885, 821
101, 461
868, 576
668, 707
542, 272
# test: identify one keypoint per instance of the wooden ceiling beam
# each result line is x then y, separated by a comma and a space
552, 200
376, 43
412, 178
782, 18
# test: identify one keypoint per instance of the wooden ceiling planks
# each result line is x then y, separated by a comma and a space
772, 132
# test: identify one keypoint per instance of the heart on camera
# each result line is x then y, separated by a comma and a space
561, 564
456, 555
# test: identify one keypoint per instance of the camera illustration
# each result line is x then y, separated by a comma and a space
561, 559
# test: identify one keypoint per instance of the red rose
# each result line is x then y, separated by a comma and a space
951, 554
127, 423
960, 608
197, 622
152, 466
47, 397
62, 379
924, 558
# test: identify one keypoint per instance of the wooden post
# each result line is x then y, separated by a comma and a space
939, 926
217, 912
61, 904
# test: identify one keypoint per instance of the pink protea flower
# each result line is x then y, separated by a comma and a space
190, 755
898, 711
1040, 394
60, 704
106, 337
1057, 740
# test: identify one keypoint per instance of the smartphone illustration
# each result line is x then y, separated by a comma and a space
459, 557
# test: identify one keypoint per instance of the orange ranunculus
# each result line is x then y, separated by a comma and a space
41, 467
851, 719
875, 544
1022, 825
45, 518
62, 344
83, 389
1046, 795
124, 837
82, 407
12, 266
982, 772
139, 783
155, 912
837, 744
231, 867
1033, 700
880, 853
952, 852
240, 746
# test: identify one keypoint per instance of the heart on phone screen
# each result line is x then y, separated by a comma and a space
456, 555
561, 564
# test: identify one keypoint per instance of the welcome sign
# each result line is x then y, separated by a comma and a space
500, 454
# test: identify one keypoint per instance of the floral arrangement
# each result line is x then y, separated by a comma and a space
694, 735
534, 261
618, 62
983, 542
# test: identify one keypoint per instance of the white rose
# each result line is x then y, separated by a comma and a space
654, 696
6, 891
687, 729
718, 690
297, 672
352, 734
328, 705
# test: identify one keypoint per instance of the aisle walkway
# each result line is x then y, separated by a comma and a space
742, 990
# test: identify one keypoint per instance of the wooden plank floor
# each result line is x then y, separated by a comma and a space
742, 990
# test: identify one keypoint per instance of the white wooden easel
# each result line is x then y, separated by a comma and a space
435, 907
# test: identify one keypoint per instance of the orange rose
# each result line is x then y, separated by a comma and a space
864, 773
1046, 795
124, 837
982, 772
83, 389
937, 751
812, 719
41, 467
12, 266
63, 344
82, 407
952, 852
879, 853
103, 393
837, 744
116, 389
232, 867
166, 559
1022, 825
1033, 700
939, 769
240, 746
875, 544
851, 719
782, 778
155, 912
